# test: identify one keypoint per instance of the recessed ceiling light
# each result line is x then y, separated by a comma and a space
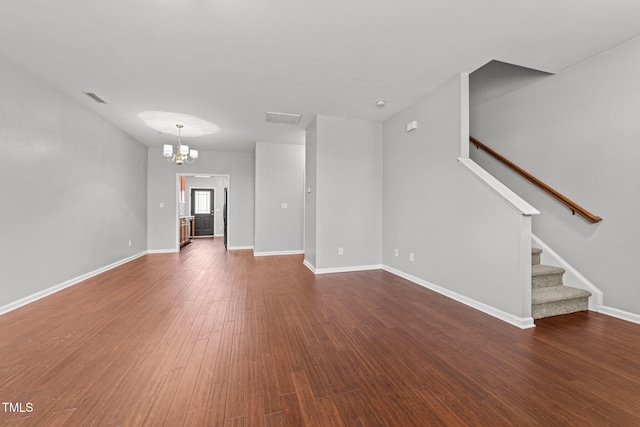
380, 104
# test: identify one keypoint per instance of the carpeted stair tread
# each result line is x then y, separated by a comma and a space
545, 270
549, 295
557, 293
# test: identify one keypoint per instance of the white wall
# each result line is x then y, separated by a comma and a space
162, 188
74, 188
465, 239
310, 217
348, 209
578, 132
279, 180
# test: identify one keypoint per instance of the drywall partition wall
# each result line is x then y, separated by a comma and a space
578, 132
466, 241
74, 189
162, 191
310, 160
348, 194
279, 198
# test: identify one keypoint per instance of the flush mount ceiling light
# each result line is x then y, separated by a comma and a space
380, 104
183, 154
165, 122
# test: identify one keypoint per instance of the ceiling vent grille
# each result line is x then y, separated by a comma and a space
95, 97
284, 118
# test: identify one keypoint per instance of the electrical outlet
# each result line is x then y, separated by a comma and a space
396, 252
411, 258
340, 251
129, 243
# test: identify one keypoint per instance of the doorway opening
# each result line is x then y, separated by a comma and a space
202, 202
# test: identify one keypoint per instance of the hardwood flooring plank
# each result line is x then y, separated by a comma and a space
356, 410
282, 367
291, 414
268, 384
235, 422
330, 412
312, 414
275, 419
181, 401
223, 359
217, 403
254, 409
235, 401
202, 384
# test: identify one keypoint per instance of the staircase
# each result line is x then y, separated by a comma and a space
549, 296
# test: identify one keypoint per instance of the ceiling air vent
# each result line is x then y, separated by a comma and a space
95, 97
285, 118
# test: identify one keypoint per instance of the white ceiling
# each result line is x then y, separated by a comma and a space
231, 61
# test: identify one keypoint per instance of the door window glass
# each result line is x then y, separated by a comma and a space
202, 202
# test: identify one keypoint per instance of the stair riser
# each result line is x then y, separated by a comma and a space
559, 307
546, 281
535, 259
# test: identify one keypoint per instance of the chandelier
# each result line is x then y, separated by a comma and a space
183, 154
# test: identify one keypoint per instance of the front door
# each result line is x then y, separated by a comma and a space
202, 210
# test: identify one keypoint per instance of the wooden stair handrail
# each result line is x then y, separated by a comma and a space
573, 206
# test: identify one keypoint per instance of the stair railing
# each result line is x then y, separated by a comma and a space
573, 206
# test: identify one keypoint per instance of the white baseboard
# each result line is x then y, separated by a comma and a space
163, 251
309, 266
239, 248
315, 270
620, 314
520, 322
44, 293
276, 253
347, 269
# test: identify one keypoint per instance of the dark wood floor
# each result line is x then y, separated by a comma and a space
213, 338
